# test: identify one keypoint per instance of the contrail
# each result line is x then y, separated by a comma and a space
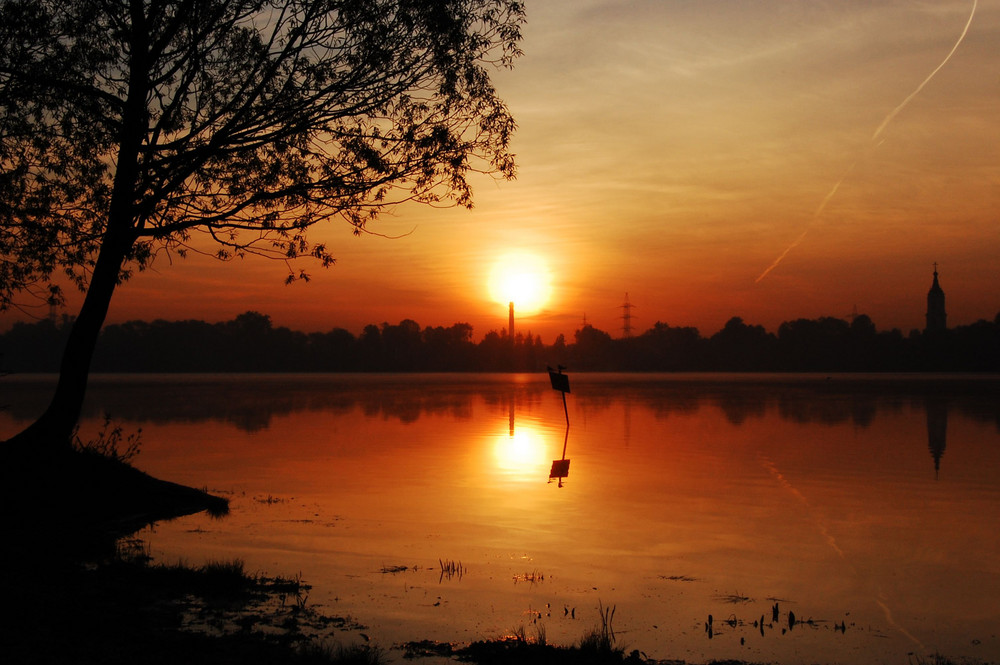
881, 128
815, 216
920, 87
795, 243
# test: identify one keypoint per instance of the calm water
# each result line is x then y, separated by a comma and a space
867, 503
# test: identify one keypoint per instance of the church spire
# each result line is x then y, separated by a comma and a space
937, 318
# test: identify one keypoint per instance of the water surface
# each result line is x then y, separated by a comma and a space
866, 506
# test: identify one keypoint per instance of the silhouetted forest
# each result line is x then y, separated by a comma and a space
251, 343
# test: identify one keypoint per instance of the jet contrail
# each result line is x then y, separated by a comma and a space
881, 128
920, 87
815, 216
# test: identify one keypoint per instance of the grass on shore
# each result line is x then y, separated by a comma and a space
82, 592
127, 610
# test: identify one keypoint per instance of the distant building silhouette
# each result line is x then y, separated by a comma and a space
937, 319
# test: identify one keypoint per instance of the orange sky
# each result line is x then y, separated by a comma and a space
674, 150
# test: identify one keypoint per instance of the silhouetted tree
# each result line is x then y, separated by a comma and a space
814, 345
531, 352
977, 346
592, 350
671, 349
35, 347
401, 345
557, 354
334, 351
448, 349
741, 347
128, 127
863, 345
370, 346
495, 352
246, 337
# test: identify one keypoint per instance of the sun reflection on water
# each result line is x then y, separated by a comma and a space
522, 454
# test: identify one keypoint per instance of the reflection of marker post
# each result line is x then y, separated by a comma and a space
560, 382
560, 467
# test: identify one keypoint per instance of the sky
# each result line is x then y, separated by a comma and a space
771, 160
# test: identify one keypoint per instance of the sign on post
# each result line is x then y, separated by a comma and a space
559, 380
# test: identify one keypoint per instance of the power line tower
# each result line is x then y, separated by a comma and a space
627, 318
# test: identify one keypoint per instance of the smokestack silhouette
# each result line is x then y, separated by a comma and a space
510, 327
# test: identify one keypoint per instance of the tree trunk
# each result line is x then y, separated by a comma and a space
51, 434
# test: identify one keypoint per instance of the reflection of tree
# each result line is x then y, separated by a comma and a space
804, 408
663, 398
251, 402
738, 407
986, 410
807, 399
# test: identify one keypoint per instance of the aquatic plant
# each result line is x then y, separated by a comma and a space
353, 654
531, 578
601, 640
111, 441
450, 569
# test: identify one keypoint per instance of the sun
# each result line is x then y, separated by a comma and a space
520, 278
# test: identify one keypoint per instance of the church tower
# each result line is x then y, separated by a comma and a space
937, 319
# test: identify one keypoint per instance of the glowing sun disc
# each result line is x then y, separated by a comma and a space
520, 278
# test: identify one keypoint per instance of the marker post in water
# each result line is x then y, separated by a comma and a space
560, 382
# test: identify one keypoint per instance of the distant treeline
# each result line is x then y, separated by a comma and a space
250, 343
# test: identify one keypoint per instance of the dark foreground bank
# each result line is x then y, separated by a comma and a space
83, 591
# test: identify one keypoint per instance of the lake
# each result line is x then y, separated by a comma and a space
867, 506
